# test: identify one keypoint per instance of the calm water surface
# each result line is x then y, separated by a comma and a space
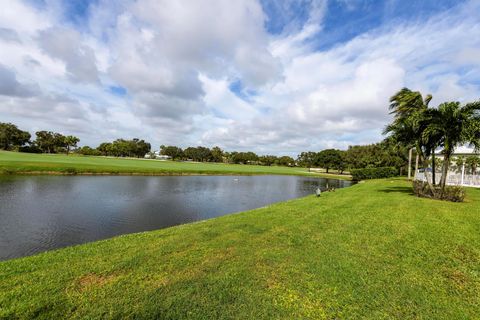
39, 213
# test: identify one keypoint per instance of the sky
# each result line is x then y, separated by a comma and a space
270, 76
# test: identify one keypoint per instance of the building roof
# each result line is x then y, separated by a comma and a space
461, 151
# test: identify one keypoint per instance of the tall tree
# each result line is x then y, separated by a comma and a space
473, 162
217, 154
306, 159
329, 158
12, 137
171, 151
49, 141
285, 161
267, 160
410, 118
457, 125
70, 142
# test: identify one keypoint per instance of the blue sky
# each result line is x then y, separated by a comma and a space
275, 77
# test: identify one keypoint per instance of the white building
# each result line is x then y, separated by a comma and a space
458, 175
157, 155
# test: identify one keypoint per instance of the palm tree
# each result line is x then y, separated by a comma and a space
457, 125
410, 110
472, 162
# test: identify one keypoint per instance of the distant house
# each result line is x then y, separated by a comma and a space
458, 173
157, 155
163, 157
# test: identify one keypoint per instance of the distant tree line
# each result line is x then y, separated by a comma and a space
378, 155
13, 138
387, 153
216, 154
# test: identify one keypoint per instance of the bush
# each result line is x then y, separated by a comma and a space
30, 149
70, 170
373, 173
451, 193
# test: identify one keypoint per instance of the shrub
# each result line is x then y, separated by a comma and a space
30, 149
373, 173
451, 193
70, 170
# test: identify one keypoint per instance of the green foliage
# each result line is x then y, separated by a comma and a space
448, 126
125, 148
449, 193
452, 125
172, 151
267, 160
472, 162
373, 173
243, 157
217, 154
383, 154
49, 141
306, 159
70, 142
285, 161
328, 159
200, 154
87, 151
11, 137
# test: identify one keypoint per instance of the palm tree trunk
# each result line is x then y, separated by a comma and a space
433, 167
429, 183
446, 162
417, 158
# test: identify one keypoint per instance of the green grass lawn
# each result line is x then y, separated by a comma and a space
16, 162
369, 251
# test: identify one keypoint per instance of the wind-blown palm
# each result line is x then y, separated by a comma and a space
456, 125
410, 112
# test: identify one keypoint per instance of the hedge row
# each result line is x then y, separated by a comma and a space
373, 173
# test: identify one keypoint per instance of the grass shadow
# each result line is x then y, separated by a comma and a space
397, 189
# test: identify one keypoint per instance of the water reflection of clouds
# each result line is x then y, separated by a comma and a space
45, 212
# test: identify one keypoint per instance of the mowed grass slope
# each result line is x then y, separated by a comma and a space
369, 251
16, 162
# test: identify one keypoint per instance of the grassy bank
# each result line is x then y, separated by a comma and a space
369, 251
28, 163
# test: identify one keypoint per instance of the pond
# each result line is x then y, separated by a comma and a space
39, 213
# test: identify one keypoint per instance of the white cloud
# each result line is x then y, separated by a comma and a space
178, 60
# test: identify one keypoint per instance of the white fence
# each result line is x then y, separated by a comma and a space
453, 178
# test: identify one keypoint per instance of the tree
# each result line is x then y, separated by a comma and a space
171, 151
267, 160
105, 148
329, 158
141, 148
12, 137
243, 157
217, 154
306, 159
70, 142
455, 125
87, 151
472, 163
410, 111
285, 161
49, 141
458, 163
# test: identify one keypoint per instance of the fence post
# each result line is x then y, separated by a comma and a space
410, 163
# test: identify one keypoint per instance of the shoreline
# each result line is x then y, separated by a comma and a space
106, 173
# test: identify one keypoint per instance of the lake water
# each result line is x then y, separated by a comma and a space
39, 213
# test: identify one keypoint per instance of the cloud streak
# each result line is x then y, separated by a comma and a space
235, 74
